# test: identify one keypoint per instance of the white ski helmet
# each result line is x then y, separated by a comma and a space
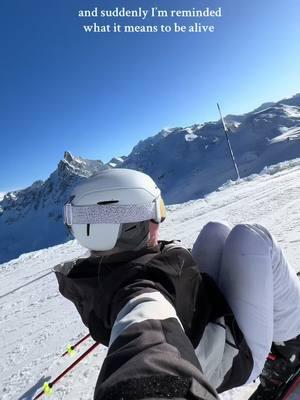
113, 209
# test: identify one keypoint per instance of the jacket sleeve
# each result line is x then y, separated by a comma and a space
143, 312
150, 356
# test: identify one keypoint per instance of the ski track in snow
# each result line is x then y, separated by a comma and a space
36, 322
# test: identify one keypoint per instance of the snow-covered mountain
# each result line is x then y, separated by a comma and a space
116, 162
187, 163
197, 159
31, 219
37, 323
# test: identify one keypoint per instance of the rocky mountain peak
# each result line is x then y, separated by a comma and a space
68, 156
116, 162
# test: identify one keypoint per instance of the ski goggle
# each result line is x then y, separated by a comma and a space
109, 212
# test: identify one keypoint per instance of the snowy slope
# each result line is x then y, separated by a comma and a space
37, 322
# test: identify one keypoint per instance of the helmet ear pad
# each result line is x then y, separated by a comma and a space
133, 236
98, 237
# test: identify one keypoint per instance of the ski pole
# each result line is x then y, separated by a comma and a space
228, 143
48, 386
73, 347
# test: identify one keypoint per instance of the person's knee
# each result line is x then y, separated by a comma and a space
215, 228
250, 236
210, 242
212, 235
208, 247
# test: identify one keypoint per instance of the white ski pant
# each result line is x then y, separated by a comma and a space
261, 288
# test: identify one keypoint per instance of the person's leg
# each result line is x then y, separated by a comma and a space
208, 248
286, 297
261, 288
284, 360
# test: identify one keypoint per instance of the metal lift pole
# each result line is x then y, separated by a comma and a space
228, 142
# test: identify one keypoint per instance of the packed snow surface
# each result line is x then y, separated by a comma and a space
37, 323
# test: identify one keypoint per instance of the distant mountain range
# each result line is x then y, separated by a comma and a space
187, 163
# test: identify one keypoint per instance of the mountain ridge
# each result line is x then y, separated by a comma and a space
186, 162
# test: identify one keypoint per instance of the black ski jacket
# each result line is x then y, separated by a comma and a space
170, 332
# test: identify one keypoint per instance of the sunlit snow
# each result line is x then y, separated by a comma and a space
37, 323
287, 134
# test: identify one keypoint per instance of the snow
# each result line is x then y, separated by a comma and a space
189, 137
37, 323
292, 112
287, 134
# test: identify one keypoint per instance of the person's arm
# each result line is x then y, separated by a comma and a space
138, 311
149, 354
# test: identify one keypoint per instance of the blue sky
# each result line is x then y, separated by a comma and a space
97, 95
